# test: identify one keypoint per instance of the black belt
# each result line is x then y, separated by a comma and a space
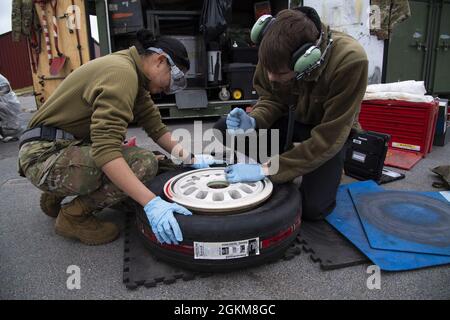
44, 133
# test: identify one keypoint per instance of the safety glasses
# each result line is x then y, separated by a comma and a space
177, 78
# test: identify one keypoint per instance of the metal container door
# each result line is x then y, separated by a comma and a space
409, 45
441, 75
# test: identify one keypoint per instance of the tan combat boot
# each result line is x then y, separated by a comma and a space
51, 204
76, 221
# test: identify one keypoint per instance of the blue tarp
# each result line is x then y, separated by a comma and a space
346, 220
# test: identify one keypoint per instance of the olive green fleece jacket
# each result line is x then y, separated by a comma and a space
98, 100
328, 99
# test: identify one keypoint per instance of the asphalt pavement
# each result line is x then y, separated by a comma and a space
34, 260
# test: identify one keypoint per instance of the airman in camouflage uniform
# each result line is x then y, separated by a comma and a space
95, 105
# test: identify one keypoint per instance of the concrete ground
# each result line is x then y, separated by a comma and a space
34, 260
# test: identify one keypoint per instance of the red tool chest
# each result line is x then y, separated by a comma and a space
410, 124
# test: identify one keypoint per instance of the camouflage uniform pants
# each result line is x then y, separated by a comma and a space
71, 171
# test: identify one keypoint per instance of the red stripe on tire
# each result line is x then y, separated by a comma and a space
187, 249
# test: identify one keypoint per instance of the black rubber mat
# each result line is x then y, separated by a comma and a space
328, 247
142, 269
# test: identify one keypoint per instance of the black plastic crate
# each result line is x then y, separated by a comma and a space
244, 55
240, 77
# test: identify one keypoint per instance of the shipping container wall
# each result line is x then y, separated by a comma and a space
352, 17
15, 62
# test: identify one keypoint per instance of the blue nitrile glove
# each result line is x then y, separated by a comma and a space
238, 119
244, 173
202, 161
163, 223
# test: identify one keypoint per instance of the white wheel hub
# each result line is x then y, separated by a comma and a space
207, 190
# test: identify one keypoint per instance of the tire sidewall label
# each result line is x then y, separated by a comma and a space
226, 250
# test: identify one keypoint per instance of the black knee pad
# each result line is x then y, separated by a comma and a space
317, 212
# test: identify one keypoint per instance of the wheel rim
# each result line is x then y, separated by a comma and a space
207, 191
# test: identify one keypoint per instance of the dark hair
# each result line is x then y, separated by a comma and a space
173, 47
290, 30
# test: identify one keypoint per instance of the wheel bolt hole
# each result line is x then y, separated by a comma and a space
218, 184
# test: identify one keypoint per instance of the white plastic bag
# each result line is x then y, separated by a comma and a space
413, 91
10, 124
410, 86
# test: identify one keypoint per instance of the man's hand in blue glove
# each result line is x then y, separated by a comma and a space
162, 221
202, 161
244, 173
239, 120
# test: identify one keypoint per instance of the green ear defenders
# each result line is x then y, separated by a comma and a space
260, 28
306, 58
